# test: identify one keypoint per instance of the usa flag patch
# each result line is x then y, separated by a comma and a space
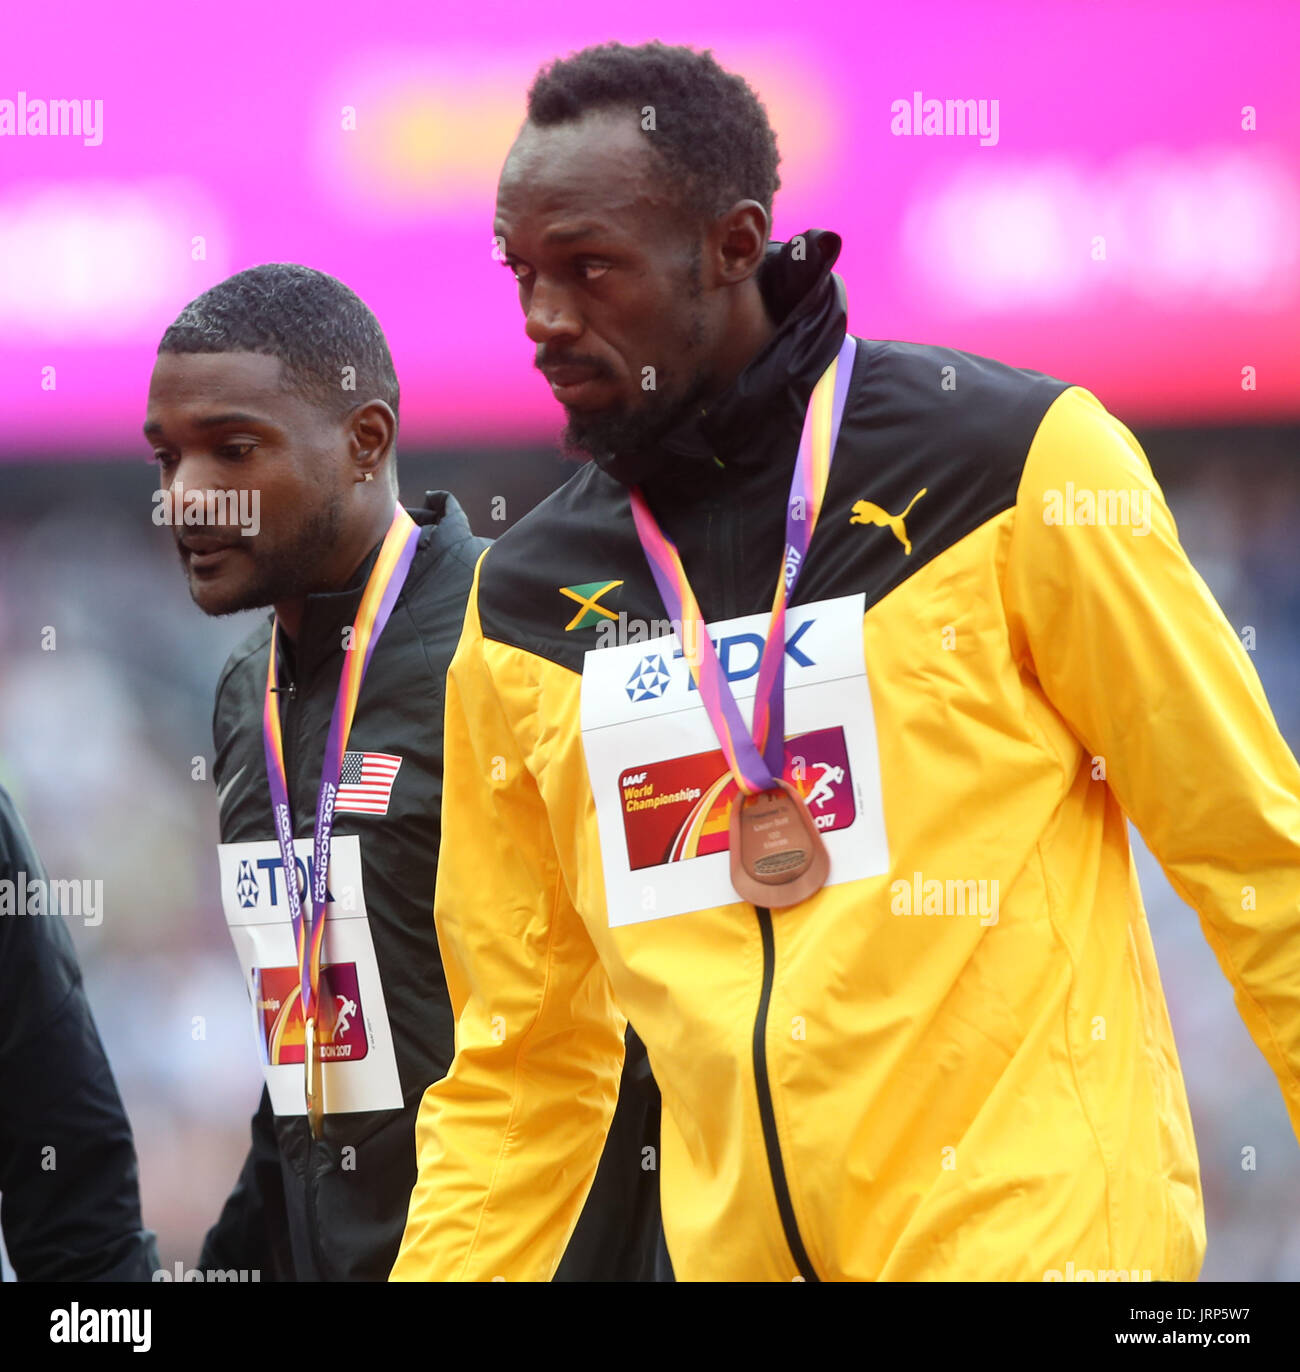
366, 782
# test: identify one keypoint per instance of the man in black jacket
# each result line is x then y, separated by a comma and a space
69, 1191
273, 407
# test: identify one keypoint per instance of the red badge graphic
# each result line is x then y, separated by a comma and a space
341, 1031
680, 808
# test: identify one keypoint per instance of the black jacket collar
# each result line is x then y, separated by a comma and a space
328, 613
766, 402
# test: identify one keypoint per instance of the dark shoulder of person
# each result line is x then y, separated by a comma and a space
71, 1197
438, 589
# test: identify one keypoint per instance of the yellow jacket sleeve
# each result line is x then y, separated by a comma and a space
1133, 651
507, 1144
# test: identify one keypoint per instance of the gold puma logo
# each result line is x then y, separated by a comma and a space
865, 512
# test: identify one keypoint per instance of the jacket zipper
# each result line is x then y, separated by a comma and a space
729, 557
775, 1164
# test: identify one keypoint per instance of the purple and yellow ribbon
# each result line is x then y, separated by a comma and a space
377, 600
756, 759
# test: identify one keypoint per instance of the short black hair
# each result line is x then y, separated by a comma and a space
711, 130
312, 322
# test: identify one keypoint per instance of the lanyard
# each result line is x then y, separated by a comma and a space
377, 601
758, 759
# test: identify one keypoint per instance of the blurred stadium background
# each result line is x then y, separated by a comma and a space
1126, 232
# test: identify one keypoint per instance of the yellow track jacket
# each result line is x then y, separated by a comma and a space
957, 1063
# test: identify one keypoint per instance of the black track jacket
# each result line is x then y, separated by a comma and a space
334, 1209
71, 1196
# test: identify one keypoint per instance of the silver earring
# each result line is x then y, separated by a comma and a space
370, 476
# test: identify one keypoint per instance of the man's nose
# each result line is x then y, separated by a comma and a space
197, 471
551, 314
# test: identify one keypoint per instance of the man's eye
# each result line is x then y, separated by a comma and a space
163, 458
517, 269
592, 271
235, 450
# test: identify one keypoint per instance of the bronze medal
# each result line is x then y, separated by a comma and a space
315, 1083
777, 856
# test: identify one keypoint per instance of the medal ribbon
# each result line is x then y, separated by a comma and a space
758, 759
377, 601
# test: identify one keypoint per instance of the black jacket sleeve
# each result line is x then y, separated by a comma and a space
619, 1235
69, 1189
252, 1231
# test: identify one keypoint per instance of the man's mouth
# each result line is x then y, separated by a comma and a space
204, 552
574, 385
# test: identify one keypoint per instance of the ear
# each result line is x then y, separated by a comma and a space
738, 240
373, 433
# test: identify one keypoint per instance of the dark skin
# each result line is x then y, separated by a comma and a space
228, 422
604, 255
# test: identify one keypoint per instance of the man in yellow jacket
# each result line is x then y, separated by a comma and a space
945, 1054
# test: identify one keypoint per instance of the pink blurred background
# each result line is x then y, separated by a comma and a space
1118, 122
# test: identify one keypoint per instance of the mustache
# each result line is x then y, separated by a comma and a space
187, 541
544, 359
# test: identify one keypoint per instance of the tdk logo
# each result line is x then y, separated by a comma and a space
246, 886
248, 889
650, 680
739, 654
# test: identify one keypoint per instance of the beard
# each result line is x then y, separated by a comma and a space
627, 436
285, 571
624, 440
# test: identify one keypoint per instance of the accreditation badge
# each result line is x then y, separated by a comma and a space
662, 788
355, 1065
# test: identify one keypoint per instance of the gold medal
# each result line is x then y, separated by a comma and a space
777, 856
315, 1082
308, 917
